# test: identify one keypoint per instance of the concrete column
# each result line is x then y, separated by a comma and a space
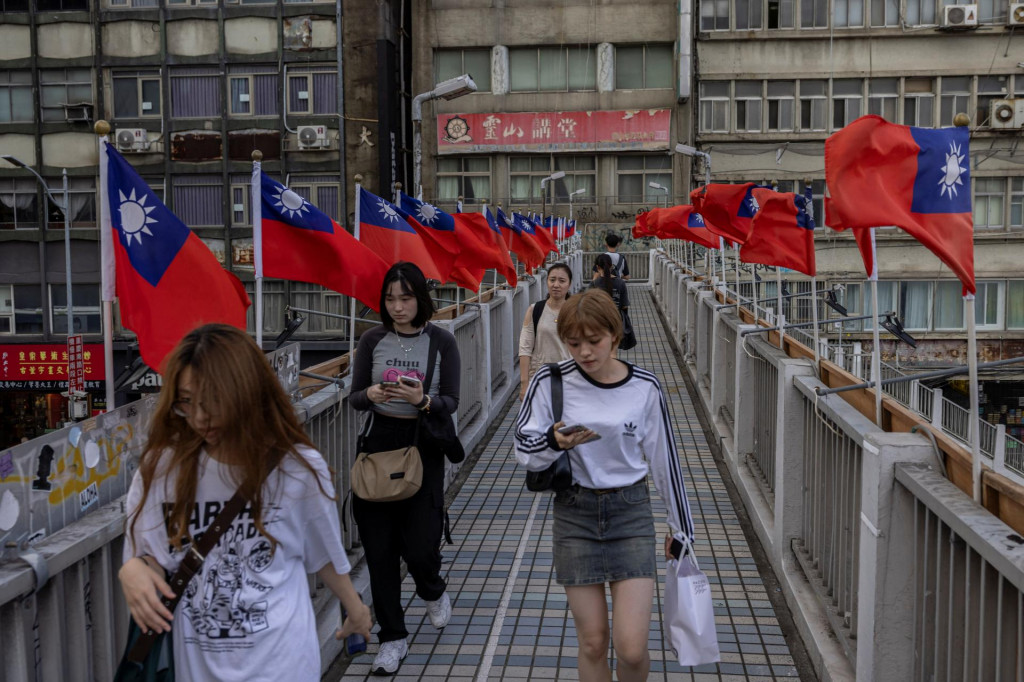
885, 604
605, 67
937, 407
743, 437
499, 70
508, 333
789, 456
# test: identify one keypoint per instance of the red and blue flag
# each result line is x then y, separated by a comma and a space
783, 232
879, 173
168, 281
727, 209
679, 222
388, 231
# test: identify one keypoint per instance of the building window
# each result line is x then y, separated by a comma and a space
887, 292
273, 306
949, 305
6, 309
452, 63
83, 203
580, 173
814, 13
748, 14
920, 12
15, 96
847, 101
533, 69
241, 200
781, 13
956, 98
714, 107
252, 90
813, 105
918, 102
467, 177
714, 15
58, 87
526, 172
988, 305
636, 172
883, 98
122, 4
885, 13
195, 92
62, 5
315, 297
313, 90
18, 203
915, 305
13, 6
989, 88
198, 200
85, 313
136, 93
323, 191
848, 13
1014, 304
989, 197
748, 106
643, 66
28, 309
186, 3
781, 102
1016, 202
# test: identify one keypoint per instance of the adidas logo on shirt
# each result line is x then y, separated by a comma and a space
630, 431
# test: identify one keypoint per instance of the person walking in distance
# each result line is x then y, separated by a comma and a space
222, 424
388, 379
538, 341
619, 264
616, 426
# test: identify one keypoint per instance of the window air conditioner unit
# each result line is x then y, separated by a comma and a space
131, 140
312, 137
1015, 17
1007, 113
960, 16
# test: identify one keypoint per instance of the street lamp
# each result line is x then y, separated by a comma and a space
557, 175
449, 89
654, 185
687, 150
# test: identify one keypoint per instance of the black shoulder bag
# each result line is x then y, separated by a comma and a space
439, 428
558, 476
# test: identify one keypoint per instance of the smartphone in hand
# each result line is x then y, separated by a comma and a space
389, 384
574, 428
409, 380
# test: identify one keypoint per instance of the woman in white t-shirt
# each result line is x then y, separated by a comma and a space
223, 423
538, 341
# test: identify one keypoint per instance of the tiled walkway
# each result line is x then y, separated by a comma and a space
511, 619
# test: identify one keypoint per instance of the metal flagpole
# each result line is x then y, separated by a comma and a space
876, 351
972, 377
739, 299
107, 272
779, 315
809, 207
483, 210
257, 238
721, 251
352, 299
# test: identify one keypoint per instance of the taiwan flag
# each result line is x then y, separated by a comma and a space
168, 281
527, 251
782, 234
543, 237
879, 173
504, 264
528, 233
302, 243
640, 226
389, 233
570, 228
727, 209
680, 222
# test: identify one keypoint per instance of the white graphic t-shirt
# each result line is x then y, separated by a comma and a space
247, 615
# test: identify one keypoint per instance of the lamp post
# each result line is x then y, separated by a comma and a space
654, 185
449, 89
572, 194
65, 208
557, 175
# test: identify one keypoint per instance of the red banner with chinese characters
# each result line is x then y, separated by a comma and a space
44, 366
560, 131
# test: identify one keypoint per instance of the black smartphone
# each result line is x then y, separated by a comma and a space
574, 428
676, 549
409, 381
389, 384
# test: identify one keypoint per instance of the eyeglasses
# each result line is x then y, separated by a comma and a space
184, 407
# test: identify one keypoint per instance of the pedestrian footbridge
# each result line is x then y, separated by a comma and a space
835, 549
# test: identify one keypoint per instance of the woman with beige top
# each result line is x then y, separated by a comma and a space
539, 342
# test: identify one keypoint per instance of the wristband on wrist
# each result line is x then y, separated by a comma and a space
424, 405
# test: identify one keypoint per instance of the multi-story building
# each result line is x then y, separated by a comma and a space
190, 89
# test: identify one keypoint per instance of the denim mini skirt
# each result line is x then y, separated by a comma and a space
604, 536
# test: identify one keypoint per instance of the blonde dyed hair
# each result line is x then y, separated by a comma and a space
592, 312
254, 415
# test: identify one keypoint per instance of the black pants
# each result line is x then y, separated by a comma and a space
407, 529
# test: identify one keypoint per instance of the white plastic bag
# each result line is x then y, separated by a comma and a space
689, 614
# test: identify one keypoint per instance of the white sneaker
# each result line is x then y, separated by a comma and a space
440, 611
389, 657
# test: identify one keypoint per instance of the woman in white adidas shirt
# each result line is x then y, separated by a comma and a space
604, 528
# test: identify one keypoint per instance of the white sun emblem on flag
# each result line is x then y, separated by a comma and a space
388, 211
427, 213
135, 216
290, 204
698, 218
754, 206
952, 171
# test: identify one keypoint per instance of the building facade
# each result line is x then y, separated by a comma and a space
190, 90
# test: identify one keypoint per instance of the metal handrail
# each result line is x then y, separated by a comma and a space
923, 375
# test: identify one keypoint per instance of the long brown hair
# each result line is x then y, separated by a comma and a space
255, 419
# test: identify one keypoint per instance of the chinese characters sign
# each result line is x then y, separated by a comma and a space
643, 129
76, 363
45, 366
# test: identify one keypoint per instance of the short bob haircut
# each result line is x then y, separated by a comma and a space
413, 283
591, 312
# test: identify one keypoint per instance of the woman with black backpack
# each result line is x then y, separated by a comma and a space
539, 342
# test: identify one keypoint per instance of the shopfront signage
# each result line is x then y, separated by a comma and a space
560, 131
44, 366
76, 364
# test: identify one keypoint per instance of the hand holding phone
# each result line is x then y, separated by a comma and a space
409, 380
389, 384
574, 428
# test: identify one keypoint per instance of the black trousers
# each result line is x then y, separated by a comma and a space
407, 529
